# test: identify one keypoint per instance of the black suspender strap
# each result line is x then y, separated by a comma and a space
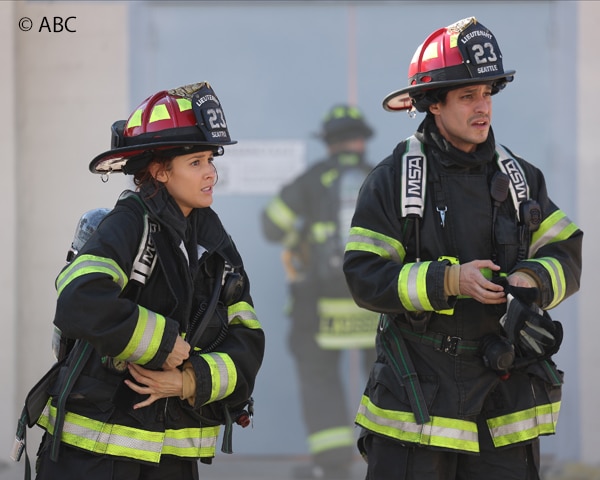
402, 366
79, 356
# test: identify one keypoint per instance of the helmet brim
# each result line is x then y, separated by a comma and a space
113, 161
401, 99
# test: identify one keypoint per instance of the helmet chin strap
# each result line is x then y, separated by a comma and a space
216, 175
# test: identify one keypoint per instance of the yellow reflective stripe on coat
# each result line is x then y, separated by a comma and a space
555, 228
412, 287
557, 278
86, 264
330, 439
328, 177
145, 341
242, 313
365, 240
525, 425
124, 441
223, 374
440, 432
148, 332
343, 325
191, 442
321, 231
281, 215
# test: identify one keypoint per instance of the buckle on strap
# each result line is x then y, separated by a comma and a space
449, 345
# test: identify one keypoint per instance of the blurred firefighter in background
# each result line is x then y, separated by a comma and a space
311, 217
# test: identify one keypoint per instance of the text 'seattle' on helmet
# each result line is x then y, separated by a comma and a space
463, 53
178, 121
344, 122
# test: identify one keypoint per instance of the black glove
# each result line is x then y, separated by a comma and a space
528, 326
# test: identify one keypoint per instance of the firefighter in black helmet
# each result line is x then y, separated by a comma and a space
310, 217
457, 242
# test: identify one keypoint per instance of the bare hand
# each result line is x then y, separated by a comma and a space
474, 284
154, 383
180, 353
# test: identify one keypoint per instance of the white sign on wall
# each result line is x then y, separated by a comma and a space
259, 167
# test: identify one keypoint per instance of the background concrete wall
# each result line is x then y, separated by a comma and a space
587, 104
64, 89
277, 67
8, 219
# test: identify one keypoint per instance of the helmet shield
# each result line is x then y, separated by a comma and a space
462, 53
479, 49
209, 116
184, 119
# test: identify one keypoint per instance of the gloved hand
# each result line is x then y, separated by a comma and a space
528, 326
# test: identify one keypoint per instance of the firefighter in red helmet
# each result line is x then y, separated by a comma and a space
167, 344
456, 242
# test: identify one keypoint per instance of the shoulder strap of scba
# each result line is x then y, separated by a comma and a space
519, 190
414, 178
145, 259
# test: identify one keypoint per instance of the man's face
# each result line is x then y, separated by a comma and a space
355, 145
464, 118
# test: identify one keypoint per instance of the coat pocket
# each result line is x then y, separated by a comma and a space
388, 391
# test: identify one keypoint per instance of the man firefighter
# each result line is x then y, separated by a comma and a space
457, 243
311, 218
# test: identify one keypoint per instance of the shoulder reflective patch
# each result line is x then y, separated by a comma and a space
281, 215
242, 313
89, 264
365, 240
554, 228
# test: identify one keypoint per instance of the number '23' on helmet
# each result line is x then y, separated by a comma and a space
181, 120
463, 53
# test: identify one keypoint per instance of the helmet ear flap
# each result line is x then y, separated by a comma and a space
117, 138
424, 99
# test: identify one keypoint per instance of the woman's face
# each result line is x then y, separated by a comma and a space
189, 179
